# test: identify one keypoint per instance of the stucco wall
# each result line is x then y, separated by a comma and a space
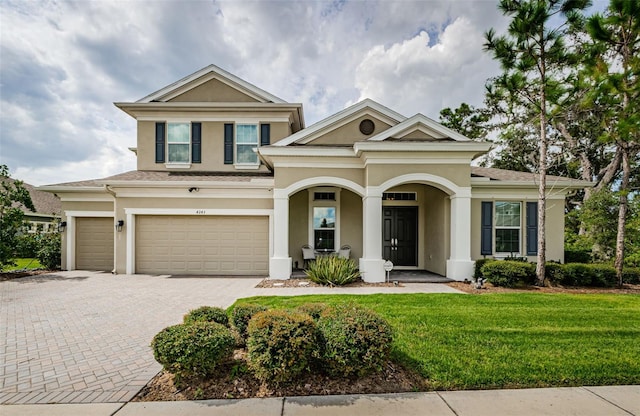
298, 225
350, 132
213, 91
459, 174
288, 176
351, 222
436, 240
212, 146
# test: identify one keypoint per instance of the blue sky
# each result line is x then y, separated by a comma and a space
63, 64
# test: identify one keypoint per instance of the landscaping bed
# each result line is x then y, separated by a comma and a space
302, 283
489, 288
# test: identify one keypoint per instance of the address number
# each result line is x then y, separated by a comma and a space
201, 211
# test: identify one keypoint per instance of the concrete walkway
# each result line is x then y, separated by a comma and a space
582, 401
83, 337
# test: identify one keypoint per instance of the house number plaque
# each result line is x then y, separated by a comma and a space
201, 212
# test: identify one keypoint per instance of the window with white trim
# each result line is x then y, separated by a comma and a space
178, 142
507, 227
246, 142
324, 218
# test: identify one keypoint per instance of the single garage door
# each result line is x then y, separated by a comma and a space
94, 243
214, 245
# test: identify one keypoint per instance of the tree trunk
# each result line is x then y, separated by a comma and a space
542, 196
622, 214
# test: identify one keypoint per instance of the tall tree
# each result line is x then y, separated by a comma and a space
533, 54
616, 71
467, 120
12, 195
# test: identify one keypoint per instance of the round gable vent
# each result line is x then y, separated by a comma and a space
367, 127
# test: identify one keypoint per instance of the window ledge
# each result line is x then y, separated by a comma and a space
177, 165
247, 167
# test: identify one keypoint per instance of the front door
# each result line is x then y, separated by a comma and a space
400, 235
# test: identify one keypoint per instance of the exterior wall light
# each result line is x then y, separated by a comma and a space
62, 226
119, 225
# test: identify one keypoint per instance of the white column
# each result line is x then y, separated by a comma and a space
280, 262
459, 265
371, 263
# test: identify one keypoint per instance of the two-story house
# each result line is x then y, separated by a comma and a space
230, 181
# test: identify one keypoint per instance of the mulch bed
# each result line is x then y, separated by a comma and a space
393, 379
489, 288
303, 282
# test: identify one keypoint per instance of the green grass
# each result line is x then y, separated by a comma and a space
507, 340
21, 264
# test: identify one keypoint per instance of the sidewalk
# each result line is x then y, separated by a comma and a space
582, 401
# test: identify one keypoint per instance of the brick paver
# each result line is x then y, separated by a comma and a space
83, 337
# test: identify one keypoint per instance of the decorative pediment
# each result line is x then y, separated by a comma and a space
419, 128
211, 84
353, 124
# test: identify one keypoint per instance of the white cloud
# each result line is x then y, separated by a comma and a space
63, 64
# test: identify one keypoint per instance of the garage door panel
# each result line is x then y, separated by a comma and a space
202, 245
94, 243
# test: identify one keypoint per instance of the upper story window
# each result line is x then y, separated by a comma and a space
178, 142
246, 141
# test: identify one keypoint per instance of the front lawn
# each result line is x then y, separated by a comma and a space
507, 340
23, 264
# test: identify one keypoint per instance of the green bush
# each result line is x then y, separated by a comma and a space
49, 252
27, 245
207, 314
509, 273
314, 310
355, 340
553, 272
333, 271
242, 314
602, 275
631, 275
576, 255
477, 268
281, 345
194, 349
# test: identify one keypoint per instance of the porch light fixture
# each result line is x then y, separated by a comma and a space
119, 225
61, 226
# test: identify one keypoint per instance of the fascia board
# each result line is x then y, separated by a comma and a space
134, 109
306, 151
337, 118
381, 146
56, 189
529, 184
187, 184
215, 70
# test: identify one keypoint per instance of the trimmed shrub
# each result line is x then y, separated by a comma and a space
355, 341
575, 255
27, 245
509, 273
553, 272
207, 314
477, 268
602, 275
281, 345
631, 275
314, 310
333, 271
242, 314
194, 349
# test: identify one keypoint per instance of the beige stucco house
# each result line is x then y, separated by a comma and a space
230, 181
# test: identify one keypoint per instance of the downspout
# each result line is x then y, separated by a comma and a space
110, 191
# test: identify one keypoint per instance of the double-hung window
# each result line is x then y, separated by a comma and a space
178, 142
324, 228
246, 142
507, 227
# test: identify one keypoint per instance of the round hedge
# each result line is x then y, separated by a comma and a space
207, 314
193, 349
281, 345
355, 341
242, 314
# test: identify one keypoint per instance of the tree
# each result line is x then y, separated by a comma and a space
467, 120
532, 55
615, 68
12, 195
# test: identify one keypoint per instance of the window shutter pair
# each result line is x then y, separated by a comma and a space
486, 237
265, 140
196, 142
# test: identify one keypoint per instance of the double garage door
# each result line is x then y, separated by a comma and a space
202, 245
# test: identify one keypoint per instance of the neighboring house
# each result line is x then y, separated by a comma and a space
48, 210
229, 181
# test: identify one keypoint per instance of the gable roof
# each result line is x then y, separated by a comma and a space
422, 123
46, 204
341, 118
206, 74
492, 175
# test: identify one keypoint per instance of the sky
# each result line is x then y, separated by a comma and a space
63, 64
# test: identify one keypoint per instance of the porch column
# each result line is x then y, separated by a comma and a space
459, 265
280, 262
371, 263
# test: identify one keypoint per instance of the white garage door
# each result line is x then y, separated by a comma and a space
214, 245
94, 243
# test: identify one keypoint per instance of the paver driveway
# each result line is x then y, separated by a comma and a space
83, 337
